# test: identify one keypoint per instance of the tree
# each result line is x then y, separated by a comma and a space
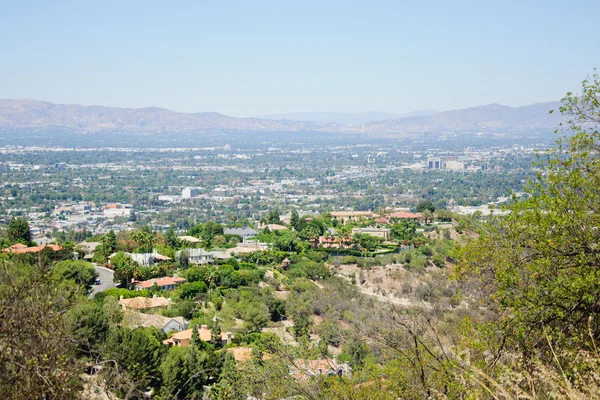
38, 358
171, 239
80, 272
89, 325
109, 244
425, 205
256, 316
273, 217
294, 219
537, 267
18, 231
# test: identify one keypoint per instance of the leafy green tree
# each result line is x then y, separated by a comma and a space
273, 217
80, 272
256, 316
425, 205
138, 352
89, 325
38, 358
294, 220
18, 231
171, 239
537, 267
109, 244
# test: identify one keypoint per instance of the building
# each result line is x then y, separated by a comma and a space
166, 324
372, 231
164, 283
455, 165
347, 216
148, 259
21, 248
188, 193
244, 232
183, 338
434, 163
198, 256
144, 303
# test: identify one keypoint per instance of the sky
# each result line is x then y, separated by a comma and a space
247, 58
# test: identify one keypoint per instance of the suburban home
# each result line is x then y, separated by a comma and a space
183, 338
304, 369
249, 246
88, 248
405, 215
189, 239
166, 324
274, 227
21, 248
198, 256
148, 259
329, 242
348, 216
144, 303
377, 232
164, 283
244, 232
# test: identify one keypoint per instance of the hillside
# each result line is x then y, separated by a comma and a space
36, 115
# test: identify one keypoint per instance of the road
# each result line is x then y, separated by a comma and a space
106, 279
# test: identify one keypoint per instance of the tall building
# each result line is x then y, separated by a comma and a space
188, 193
434, 163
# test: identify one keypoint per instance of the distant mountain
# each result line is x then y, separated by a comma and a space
32, 114
492, 117
344, 118
39, 116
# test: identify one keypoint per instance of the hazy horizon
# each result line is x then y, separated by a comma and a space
249, 59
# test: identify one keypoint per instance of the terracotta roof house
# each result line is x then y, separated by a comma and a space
165, 283
21, 248
144, 303
183, 338
405, 215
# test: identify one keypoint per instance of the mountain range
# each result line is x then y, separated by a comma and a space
28, 114
346, 118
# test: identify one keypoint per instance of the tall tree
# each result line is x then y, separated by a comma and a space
537, 267
18, 231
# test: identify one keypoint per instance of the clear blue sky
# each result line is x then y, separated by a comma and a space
246, 58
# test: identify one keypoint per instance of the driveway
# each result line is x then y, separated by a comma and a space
106, 280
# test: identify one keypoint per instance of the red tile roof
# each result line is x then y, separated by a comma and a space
19, 248
164, 281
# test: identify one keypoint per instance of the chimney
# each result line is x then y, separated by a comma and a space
153, 296
121, 297
320, 371
228, 337
203, 326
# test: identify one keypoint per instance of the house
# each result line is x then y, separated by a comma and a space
164, 283
304, 369
166, 324
144, 303
377, 232
244, 232
88, 248
21, 248
198, 256
183, 338
274, 227
348, 216
405, 215
249, 246
329, 242
148, 259
189, 239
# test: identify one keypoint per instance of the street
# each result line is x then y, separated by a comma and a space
106, 280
